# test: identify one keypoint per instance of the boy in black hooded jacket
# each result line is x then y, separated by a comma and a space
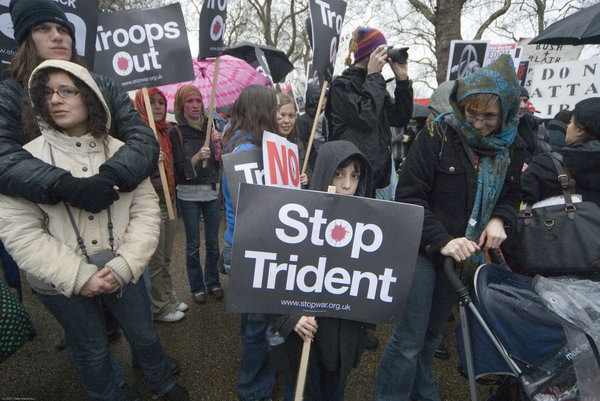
338, 343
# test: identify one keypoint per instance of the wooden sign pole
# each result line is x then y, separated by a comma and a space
314, 126
211, 107
161, 163
305, 349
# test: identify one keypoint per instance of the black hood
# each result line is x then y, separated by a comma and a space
313, 92
331, 155
584, 164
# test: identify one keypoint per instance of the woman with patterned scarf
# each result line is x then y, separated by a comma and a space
463, 168
166, 306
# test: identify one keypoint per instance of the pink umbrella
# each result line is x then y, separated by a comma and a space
234, 76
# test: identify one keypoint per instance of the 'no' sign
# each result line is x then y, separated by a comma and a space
280, 161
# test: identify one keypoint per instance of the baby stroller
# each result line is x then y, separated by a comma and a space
543, 332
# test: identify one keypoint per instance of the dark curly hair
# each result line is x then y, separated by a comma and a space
35, 105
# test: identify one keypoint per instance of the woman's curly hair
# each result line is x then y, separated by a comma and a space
35, 106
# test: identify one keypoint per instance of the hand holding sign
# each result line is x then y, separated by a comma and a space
202, 154
306, 327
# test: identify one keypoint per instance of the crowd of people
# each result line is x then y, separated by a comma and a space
84, 209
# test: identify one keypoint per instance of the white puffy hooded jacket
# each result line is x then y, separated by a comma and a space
40, 237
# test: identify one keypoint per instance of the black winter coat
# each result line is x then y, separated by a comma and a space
540, 181
529, 130
439, 174
360, 110
186, 146
131, 164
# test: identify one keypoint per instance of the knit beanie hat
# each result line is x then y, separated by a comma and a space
26, 14
364, 41
587, 114
523, 92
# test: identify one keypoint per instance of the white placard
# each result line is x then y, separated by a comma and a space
561, 85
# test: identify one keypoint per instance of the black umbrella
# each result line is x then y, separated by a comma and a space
580, 28
279, 63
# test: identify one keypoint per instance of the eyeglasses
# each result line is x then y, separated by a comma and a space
64, 92
484, 118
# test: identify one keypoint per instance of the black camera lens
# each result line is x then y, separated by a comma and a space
399, 56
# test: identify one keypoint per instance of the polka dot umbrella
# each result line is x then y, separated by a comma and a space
234, 76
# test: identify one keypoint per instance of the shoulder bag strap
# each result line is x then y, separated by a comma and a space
80, 241
180, 135
563, 179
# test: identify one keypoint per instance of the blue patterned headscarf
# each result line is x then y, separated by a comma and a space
499, 78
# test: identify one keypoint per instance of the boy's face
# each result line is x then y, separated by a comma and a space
346, 179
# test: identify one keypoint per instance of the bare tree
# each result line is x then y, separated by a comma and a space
435, 23
272, 23
117, 5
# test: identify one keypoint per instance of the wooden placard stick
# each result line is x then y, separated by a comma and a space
211, 107
161, 163
314, 126
305, 350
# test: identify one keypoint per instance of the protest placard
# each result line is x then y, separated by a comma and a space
83, 14
319, 254
242, 167
466, 57
560, 86
522, 71
280, 161
212, 28
137, 48
326, 17
495, 50
545, 54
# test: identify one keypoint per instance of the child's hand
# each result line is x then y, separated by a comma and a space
303, 179
306, 327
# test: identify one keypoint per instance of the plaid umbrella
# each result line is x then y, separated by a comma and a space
234, 76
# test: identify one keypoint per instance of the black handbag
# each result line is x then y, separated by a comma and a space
559, 239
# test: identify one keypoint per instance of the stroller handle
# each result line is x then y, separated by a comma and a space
458, 285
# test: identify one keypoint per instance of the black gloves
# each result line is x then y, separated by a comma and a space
92, 194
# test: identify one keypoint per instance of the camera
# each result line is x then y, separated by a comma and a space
399, 56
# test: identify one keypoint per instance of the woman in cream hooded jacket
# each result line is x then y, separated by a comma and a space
70, 110
41, 238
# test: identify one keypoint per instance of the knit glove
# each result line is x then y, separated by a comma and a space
92, 194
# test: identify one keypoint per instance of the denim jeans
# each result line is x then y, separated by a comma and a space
85, 337
257, 373
191, 213
405, 369
227, 248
